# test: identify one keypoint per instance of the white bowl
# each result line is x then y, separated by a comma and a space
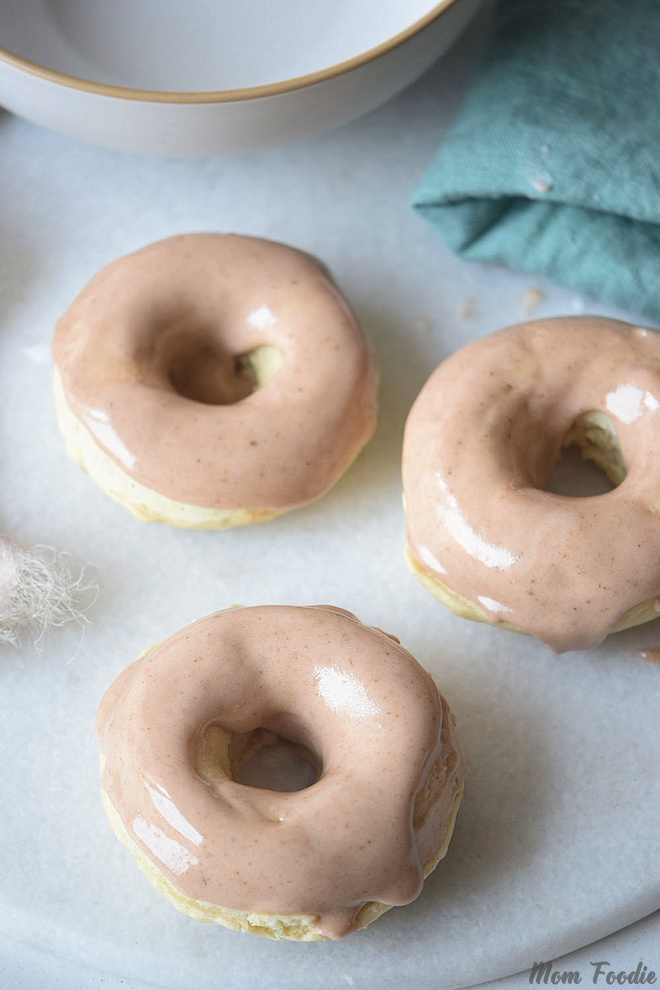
199, 77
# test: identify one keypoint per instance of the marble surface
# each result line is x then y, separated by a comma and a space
634, 947
557, 842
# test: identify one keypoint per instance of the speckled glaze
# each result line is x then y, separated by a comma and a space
171, 320
480, 444
351, 694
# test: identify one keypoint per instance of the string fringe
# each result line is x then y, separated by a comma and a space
39, 589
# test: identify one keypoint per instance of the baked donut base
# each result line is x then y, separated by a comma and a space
595, 436
144, 503
463, 607
297, 928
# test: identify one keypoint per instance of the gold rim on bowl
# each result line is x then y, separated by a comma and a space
227, 95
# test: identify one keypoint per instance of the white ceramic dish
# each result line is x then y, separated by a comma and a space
213, 76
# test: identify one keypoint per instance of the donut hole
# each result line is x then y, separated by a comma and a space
201, 369
590, 462
259, 758
272, 762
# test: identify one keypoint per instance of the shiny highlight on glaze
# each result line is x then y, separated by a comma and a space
382, 733
481, 442
156, 359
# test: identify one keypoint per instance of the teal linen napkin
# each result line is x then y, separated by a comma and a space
553, 164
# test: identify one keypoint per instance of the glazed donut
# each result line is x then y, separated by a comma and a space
480, 444
176, 726
213, 380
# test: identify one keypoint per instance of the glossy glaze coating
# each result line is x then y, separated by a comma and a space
360, 702
481, 442
150, 356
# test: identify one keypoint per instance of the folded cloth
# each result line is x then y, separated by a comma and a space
553, 164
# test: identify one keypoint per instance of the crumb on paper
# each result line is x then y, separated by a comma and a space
467, 308
532, 299
423, 326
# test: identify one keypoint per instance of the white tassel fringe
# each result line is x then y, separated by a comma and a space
37, 590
